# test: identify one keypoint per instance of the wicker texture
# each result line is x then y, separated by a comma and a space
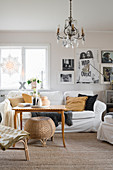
41, 128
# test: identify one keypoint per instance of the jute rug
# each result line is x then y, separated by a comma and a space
83, 152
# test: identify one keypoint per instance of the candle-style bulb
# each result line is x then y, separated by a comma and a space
58, 29
72, 27
82, 32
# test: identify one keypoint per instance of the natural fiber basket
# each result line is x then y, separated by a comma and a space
41, 128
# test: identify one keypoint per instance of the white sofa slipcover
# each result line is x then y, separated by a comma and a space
84, 121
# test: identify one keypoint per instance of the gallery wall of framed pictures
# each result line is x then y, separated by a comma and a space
107, 66
92, 66
66, 75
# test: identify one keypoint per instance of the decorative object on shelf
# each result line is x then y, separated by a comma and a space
22, 85
111, 99
86, 71
67, 64
45, 101
10, 65
67, 77
111, 80
106, 56
71, 33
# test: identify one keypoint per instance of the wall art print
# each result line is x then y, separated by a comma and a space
87, 61
107, 71
67, 77
67, 64
106, 56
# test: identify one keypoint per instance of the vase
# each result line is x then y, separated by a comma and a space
45, 101
39, 102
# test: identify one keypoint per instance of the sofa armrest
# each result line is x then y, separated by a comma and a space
99, 108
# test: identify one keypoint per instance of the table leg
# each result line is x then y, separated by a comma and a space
15, 120
21, 120
63, 122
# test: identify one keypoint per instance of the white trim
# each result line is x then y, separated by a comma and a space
0, 69
67, 72
102, 77
31, 46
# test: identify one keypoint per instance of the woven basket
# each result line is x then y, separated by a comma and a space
41, 128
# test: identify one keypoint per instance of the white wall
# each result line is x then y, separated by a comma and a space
96, 40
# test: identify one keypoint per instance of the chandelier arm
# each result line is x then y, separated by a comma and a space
61, 37
65, 30
80, 38
70, 9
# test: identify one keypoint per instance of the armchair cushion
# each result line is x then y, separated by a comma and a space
9, 136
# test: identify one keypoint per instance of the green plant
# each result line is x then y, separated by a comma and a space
33, 80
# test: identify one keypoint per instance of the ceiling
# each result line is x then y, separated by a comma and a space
45, 15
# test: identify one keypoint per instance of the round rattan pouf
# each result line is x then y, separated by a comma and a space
41, 128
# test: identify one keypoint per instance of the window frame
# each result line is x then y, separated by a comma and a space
23, 47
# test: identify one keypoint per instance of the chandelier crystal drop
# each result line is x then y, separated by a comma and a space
71, 33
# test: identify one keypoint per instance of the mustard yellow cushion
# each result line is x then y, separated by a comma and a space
27, 98
15, 101
76, 103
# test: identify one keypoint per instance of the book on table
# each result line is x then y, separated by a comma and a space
24, 104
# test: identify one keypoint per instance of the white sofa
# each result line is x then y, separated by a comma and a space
84, 121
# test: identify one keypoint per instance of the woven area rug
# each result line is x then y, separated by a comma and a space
83, 152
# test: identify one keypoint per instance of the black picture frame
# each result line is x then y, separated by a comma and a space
106, 56
67, 64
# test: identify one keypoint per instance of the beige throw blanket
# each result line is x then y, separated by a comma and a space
7, 114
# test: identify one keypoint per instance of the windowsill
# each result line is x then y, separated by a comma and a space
23, 89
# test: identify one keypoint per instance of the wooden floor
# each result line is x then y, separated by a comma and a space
83, 152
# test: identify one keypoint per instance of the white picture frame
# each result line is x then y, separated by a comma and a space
106, 70
87, 64
66, 77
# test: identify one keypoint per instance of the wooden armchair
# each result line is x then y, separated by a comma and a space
10, 136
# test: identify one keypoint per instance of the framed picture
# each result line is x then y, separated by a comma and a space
67, 64
106, 56
87, 66
107, 71
66, 77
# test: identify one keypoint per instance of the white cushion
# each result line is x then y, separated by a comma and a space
12, 94
56, 97
108, 119
75, 94
83, 114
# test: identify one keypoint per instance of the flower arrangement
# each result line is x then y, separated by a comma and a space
33, 80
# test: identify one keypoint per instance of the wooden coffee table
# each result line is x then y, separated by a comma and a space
53, 108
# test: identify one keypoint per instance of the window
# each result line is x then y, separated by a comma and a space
19, 64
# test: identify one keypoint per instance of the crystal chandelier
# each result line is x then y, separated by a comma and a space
71, 33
